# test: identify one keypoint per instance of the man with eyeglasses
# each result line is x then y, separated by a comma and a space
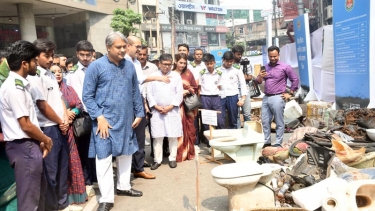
133, 47
164, 100
84, 51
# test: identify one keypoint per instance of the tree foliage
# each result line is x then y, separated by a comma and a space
124, 20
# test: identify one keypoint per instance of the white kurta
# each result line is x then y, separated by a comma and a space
165, 94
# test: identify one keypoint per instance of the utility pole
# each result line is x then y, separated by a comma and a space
301, 7
157, 28
274, 14
234, 34
173, 31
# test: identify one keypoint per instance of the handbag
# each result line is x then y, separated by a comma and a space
192, 102
82, 125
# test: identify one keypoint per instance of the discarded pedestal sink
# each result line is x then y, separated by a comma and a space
355, 196
240, 144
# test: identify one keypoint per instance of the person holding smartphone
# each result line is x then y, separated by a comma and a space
275, 75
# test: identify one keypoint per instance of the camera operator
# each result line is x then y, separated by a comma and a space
246, 69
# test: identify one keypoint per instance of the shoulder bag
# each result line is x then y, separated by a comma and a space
192, 102
82, 125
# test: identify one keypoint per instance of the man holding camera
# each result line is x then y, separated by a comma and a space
246, 69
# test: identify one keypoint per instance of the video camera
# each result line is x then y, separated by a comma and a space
245, 62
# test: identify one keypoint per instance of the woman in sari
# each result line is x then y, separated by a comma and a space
185, 149
76, 184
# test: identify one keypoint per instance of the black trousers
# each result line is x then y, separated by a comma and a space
88, 164
139, 156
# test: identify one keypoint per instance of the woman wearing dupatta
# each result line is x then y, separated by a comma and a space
76, 182
185, 149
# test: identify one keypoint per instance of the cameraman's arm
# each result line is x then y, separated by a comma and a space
248, 77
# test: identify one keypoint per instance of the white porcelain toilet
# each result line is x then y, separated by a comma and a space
240, 144
243, 183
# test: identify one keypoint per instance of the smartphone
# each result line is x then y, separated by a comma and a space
262, 69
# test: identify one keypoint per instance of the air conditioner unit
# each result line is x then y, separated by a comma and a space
328, 12
152, 42
153, 20
189, 22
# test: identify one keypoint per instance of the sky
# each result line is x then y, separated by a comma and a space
247, 4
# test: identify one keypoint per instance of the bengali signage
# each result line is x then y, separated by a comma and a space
146, 27
204, 39
303, 48
222, 29
351, 32
203, 8
181, 28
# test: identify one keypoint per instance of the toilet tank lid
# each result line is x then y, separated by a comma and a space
234, 170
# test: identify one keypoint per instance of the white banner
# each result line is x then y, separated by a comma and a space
203, 8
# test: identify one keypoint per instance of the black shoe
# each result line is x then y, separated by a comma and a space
155, 166
266, 145
146, 165
172, 164
131, 192
105, 206
277, 145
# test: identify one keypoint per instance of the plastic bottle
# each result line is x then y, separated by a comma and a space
285, 187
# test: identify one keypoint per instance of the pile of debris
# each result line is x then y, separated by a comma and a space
330, 151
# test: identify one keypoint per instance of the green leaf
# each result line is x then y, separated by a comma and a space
124, 21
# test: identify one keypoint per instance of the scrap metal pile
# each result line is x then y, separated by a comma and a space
334, 148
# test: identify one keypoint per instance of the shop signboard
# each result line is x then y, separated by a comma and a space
202, 8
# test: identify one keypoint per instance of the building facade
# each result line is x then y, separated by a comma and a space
198, 23
63, 21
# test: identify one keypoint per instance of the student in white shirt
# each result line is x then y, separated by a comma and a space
230, 79
209, 87
21, 129
54, 122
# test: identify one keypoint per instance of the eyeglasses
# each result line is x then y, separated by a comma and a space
137, 46
166, 65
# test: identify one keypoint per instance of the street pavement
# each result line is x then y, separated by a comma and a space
175, 189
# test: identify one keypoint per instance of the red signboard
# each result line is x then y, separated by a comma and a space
222, 29
290, 9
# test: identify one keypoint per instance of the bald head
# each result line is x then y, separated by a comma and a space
133, 39
134, 46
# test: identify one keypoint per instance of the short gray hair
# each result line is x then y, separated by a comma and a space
110, 39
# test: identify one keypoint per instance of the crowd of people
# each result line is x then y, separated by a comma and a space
123, 93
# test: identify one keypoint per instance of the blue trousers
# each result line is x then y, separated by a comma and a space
229, 104
213, 102
57, 170
273, 107
26, 159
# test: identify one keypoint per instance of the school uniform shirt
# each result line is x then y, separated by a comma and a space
209, 82
147, 70
44, 86
75, 79
230, 79
16, 102
196, 68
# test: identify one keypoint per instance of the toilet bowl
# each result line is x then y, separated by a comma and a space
240, 144
355, 196
247, 184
